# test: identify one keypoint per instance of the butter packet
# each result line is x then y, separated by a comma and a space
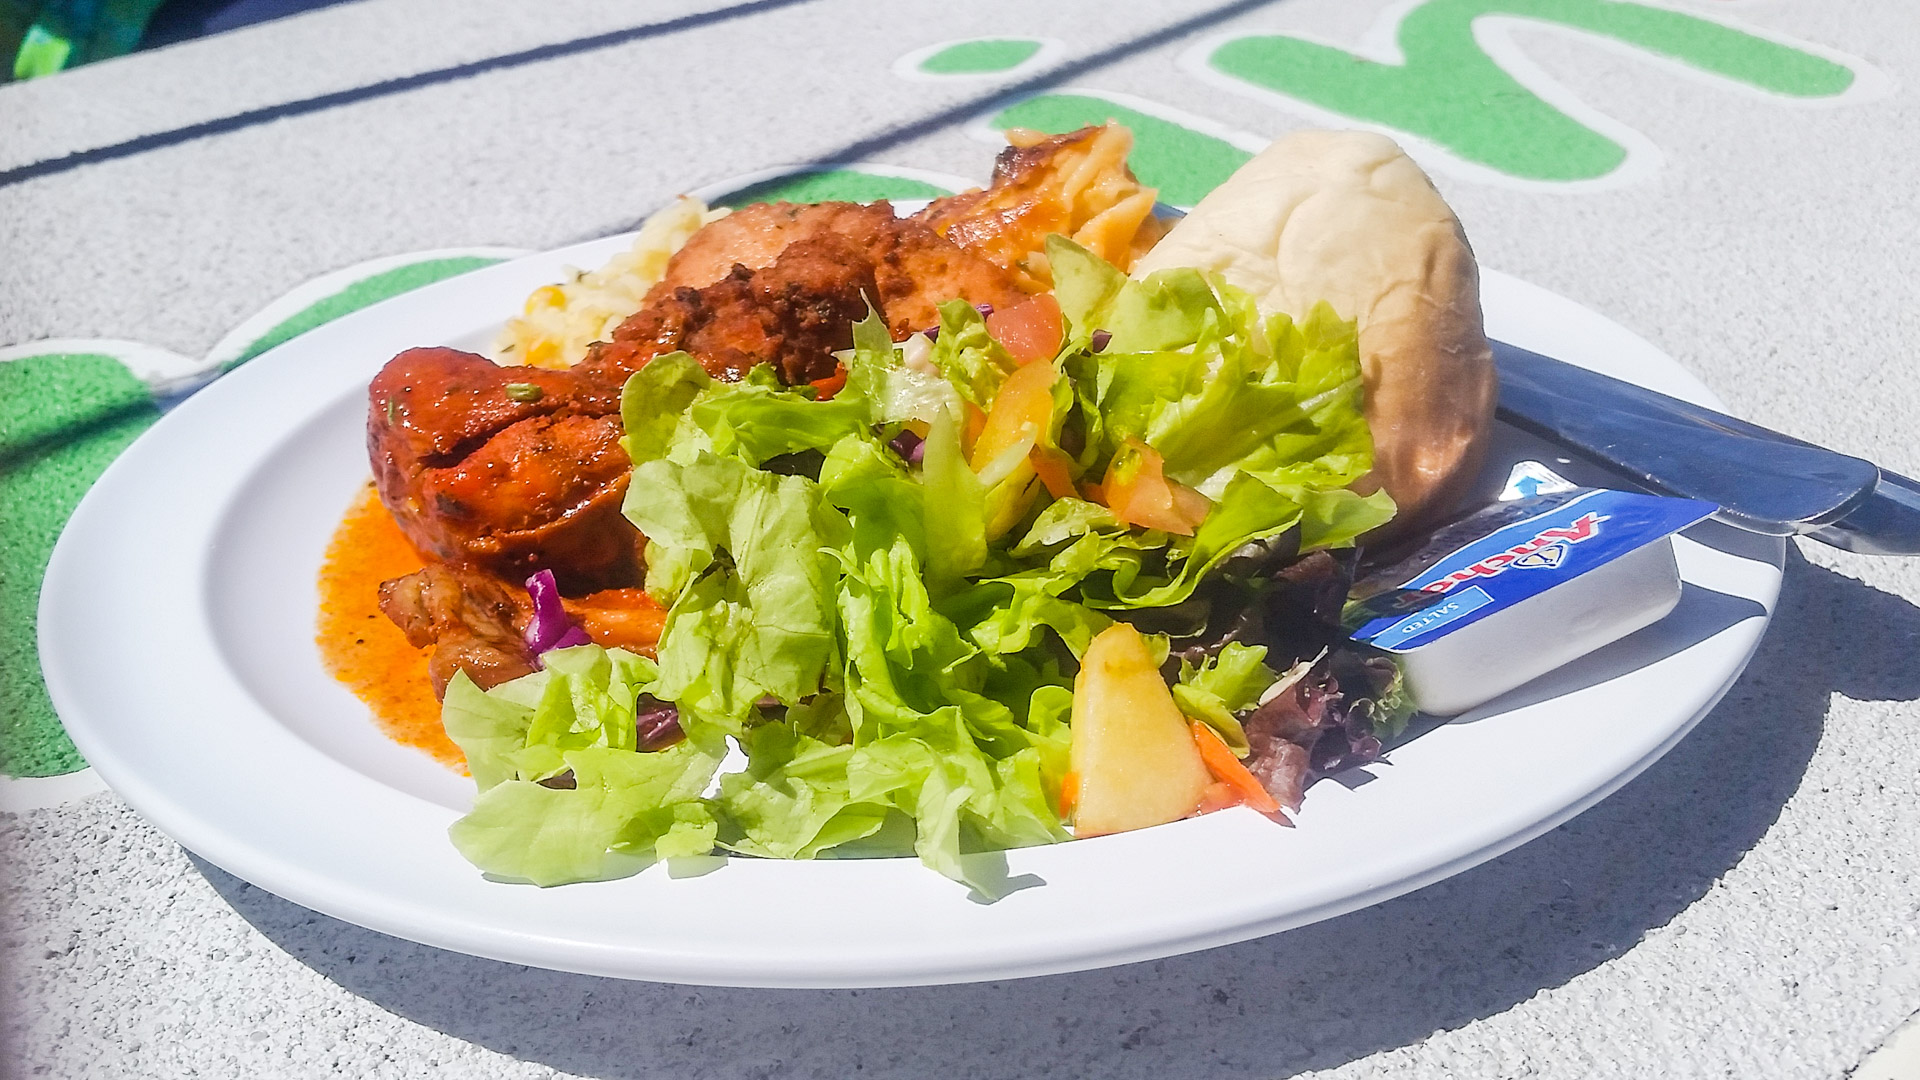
1522, 587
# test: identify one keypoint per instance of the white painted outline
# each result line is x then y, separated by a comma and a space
982, 129
907, 65
251, 329
166, 373
708, 192
1493, 34
19, 794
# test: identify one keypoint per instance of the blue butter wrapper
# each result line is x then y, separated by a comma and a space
1504, 555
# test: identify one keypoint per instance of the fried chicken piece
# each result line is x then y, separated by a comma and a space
473, 622
1077, 185
914, 268
503, 470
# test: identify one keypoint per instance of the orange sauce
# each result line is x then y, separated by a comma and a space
360, 646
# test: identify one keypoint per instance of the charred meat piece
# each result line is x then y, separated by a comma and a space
472, 621
923, 269
503, 470
793, 314
477, 623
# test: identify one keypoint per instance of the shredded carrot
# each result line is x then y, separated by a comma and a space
976, 423
1069, 793
1218, 796
1227, 769
830, 385
1052, 467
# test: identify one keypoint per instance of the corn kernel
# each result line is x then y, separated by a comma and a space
546, 296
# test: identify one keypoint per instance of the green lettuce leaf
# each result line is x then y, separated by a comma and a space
654, 400
959, 545
744, 558
1084, 284
892, 390
574, 720
1223, 685
623, 804
792, 801
973, 363
584, 698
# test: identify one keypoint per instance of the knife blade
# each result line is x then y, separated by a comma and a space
1762, 480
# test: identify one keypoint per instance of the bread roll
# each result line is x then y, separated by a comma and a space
1346, 217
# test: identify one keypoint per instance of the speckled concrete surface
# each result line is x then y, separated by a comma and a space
1749, 907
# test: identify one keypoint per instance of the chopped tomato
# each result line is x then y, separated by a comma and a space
1030, 330
1139, 493
824, 389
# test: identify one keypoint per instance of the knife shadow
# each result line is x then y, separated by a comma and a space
1392, 975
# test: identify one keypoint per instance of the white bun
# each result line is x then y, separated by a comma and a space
1347, 217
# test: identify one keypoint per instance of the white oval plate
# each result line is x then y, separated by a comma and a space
176, 633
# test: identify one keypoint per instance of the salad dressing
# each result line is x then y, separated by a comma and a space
361, 647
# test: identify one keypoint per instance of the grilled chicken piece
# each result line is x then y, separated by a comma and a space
473, 622
510, 470
503, 470
1076, 184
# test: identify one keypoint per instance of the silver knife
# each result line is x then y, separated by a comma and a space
1762, 480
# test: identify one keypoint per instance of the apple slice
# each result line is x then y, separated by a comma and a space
1132, 749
